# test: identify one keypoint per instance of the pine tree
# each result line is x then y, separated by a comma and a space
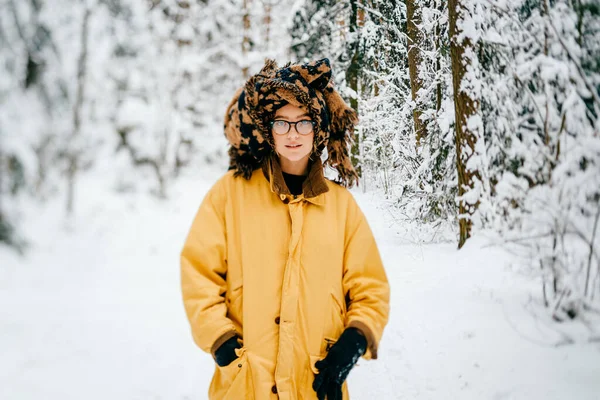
313, 28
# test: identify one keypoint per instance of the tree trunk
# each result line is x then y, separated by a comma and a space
415, 41
356, 21
246, 44
438, 66
267, 22
465, 107
73, 155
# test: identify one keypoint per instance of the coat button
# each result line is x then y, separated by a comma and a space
274, 389
277, 320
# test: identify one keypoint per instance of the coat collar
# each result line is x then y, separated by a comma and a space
313, 188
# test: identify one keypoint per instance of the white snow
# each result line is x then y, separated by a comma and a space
134, 112
93, 311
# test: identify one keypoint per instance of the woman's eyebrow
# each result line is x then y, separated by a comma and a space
286, 117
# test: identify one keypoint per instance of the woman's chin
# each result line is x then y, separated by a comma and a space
294, 157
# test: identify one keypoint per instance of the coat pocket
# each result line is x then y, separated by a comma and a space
334, 324
234, 301
241, 386
234, 381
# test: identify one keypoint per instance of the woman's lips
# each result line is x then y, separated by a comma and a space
292, 146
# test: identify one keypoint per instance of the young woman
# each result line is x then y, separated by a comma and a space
281, 277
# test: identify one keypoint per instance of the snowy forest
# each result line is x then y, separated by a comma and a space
479, 120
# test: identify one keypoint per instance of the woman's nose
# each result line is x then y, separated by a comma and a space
293, 133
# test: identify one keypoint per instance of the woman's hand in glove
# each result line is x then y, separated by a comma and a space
335, 367
225, 354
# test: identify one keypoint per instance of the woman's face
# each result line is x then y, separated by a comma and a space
293, 147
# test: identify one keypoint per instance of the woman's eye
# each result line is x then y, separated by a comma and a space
279, 123
305, 123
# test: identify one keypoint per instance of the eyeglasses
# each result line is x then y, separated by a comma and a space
282, 127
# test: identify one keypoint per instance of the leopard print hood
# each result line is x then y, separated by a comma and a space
308, 86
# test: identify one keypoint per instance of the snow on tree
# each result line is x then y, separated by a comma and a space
546, 167
470, 148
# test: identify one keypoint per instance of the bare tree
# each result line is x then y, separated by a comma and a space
267, 6
246, 41
73, 155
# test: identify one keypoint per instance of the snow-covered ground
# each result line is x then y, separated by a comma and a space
93, 311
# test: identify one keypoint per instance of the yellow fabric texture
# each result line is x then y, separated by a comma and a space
286, 273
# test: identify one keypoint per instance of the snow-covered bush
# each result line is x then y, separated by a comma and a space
545, 147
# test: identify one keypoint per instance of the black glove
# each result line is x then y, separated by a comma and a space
225, 354
334, 369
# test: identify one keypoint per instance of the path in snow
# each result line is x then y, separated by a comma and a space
94, 312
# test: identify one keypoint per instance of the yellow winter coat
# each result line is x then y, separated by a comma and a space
286, 273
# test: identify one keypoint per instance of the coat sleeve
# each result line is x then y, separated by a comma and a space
203, 271
364, 282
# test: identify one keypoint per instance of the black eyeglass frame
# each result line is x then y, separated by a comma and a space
295, 127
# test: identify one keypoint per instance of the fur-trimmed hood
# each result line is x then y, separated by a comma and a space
307, 86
